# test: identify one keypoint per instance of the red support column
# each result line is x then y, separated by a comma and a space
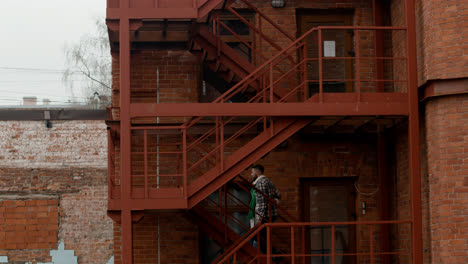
125, 138
383, 198
414, 155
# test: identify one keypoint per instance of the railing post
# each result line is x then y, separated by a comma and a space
333, 244
110, 166
303, 245
220, 197
260, 40
269, 212
272, 127
184, 160
268, 244
225, 214
218, 40
271, 83
217, 141
320, 65
221, 148
293, 254
358, 66
305, 73
145, 161
258, 243
371, 237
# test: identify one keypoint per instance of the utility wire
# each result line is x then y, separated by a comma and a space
41, 95
34, 80
31, 69
42, 70
55, 101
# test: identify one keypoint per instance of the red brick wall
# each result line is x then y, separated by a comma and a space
179, 74
53, 188
399, 49
177, 242
30, 224
443, 27
318, 157
447, 155
399, 190
441, 39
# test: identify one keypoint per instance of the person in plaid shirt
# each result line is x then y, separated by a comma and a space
263, 214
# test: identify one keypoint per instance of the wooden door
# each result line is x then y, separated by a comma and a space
335, 44
329, 200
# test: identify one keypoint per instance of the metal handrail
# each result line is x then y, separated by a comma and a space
292, 226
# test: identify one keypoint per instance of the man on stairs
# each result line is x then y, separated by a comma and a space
265, 211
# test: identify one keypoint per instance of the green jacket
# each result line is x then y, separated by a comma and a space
251, 214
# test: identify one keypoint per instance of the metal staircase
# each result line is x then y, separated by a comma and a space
279, 102
267, 99
219, 217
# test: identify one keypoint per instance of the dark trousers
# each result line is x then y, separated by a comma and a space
263, 236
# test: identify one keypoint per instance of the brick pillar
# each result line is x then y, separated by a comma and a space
447, 149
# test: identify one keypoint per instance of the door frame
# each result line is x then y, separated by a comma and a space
304, 203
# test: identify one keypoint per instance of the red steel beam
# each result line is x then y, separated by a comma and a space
275, 109
150, 204
153, 13
414, 155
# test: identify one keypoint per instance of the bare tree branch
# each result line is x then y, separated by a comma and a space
89, 62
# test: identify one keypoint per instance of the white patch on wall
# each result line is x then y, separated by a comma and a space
62, 256
3, 259
111, 260
329, 48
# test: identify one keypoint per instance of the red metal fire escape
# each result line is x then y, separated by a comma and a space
269, 98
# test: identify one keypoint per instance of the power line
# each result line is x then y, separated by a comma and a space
31, 69
42, 70
33, 80
32, 94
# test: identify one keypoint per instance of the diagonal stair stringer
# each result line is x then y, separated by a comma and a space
215, 229
240, 160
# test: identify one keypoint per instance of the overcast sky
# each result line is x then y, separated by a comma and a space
33, 35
